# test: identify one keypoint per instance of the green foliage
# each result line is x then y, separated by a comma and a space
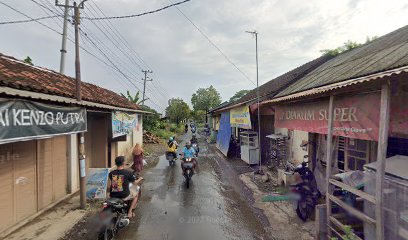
239, 95
135, 99
163, 133
177, 110
198, 115
28, 60
346, 47
150, 121
349, 235
205, 99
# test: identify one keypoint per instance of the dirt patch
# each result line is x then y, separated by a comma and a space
284, 223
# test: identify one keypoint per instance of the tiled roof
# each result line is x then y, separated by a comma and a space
19, 75
385, 53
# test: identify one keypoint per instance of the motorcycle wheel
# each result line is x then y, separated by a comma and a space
188, 181
108, 233
305, 208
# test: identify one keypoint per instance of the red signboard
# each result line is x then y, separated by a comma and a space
399, 114
354, 116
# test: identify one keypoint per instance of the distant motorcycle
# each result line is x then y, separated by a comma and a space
114, 216
196, 148
170, 157
306, 194
193, 129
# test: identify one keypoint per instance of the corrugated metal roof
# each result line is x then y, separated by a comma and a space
337, 85
387, 52
55, 98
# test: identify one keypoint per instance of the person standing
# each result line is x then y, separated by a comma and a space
137, 154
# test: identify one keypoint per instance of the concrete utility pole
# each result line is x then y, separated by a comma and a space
64, 38
81, 146
255, 34
144, 84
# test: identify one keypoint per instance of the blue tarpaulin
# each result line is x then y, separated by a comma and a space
224, 133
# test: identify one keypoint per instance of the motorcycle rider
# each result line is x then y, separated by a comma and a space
188, 152
172, 147
123, 184
194, 139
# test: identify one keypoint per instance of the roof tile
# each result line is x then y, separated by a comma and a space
17, 74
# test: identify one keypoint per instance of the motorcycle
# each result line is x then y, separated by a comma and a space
188, 166
306, 194
196, 148
114, 216
170, 157
193, 129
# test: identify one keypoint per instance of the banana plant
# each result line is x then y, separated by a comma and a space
135, 99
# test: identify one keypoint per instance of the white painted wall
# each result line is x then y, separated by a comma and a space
125, 147
73, 169
295, 153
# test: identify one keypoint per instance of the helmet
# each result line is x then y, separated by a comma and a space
171, 139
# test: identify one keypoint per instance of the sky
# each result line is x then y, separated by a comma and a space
291, 33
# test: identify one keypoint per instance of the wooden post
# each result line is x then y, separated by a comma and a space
329, 154
381, 155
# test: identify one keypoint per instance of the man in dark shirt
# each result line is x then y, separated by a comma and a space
123, 184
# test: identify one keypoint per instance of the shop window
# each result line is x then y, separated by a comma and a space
352, 154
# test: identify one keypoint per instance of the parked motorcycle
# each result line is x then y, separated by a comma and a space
114, 217
170, 157
188, 166
306, 194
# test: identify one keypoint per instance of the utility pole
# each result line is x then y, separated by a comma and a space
81, 146
145, 79
64, 38
255, 34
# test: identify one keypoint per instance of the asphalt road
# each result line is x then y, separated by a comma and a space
211, 209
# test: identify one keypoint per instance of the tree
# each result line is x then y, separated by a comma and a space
134, 99
198, 115
177, 110
28, 60
239, 95
205, 99
150, 121
346, 46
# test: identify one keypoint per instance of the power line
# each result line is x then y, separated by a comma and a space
33, 19
137, 15
28, 20
213, 44
112, 64
116, 38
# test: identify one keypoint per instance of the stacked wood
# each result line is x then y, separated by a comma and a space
149, 137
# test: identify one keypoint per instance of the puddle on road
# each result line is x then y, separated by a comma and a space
210, 209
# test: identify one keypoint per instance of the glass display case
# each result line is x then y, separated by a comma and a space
249, 147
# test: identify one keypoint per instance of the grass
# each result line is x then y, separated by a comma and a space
169, 130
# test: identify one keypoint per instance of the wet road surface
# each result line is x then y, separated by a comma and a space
210, 209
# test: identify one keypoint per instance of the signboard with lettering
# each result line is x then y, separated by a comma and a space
25, 120
354, 116
123, 123
96, 183
240, 117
